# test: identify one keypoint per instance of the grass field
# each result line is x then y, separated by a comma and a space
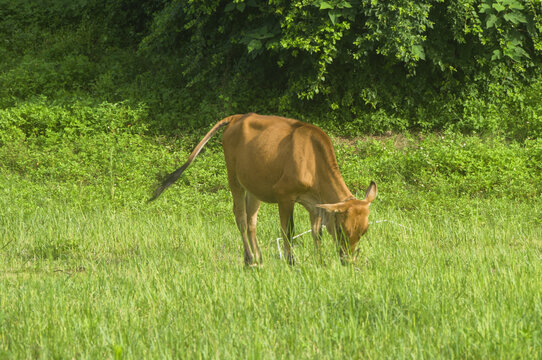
89, 270
438, 102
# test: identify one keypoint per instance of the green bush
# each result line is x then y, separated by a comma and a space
39, 118
445, 166
355, 66
363, 65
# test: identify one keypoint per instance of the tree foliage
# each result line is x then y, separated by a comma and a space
360, 65
351, 57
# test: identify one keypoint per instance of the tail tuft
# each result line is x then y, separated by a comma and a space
168, 181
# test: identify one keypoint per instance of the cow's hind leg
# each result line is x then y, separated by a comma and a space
286, 213
252, 207
240, 212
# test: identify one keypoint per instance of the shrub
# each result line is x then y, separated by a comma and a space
39, 118
448, 166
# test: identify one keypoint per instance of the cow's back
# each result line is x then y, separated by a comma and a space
260, 151
272, 156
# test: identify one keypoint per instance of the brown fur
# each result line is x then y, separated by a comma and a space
284, 161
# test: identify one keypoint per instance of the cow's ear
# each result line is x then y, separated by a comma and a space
370, 193
334, 208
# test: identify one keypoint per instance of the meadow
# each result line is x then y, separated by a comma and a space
90, 270
438, 102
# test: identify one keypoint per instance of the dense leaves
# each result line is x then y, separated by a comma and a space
357, 66
354, 60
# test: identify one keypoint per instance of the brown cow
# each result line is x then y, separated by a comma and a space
284, 161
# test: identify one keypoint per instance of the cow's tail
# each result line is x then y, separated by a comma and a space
171, 178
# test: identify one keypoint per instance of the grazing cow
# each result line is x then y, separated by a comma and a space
284, 161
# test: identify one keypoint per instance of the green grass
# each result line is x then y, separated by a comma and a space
88, 270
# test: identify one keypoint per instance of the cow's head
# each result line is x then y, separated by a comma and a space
349, 220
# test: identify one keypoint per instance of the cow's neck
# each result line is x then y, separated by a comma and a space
333, 189
331, 193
